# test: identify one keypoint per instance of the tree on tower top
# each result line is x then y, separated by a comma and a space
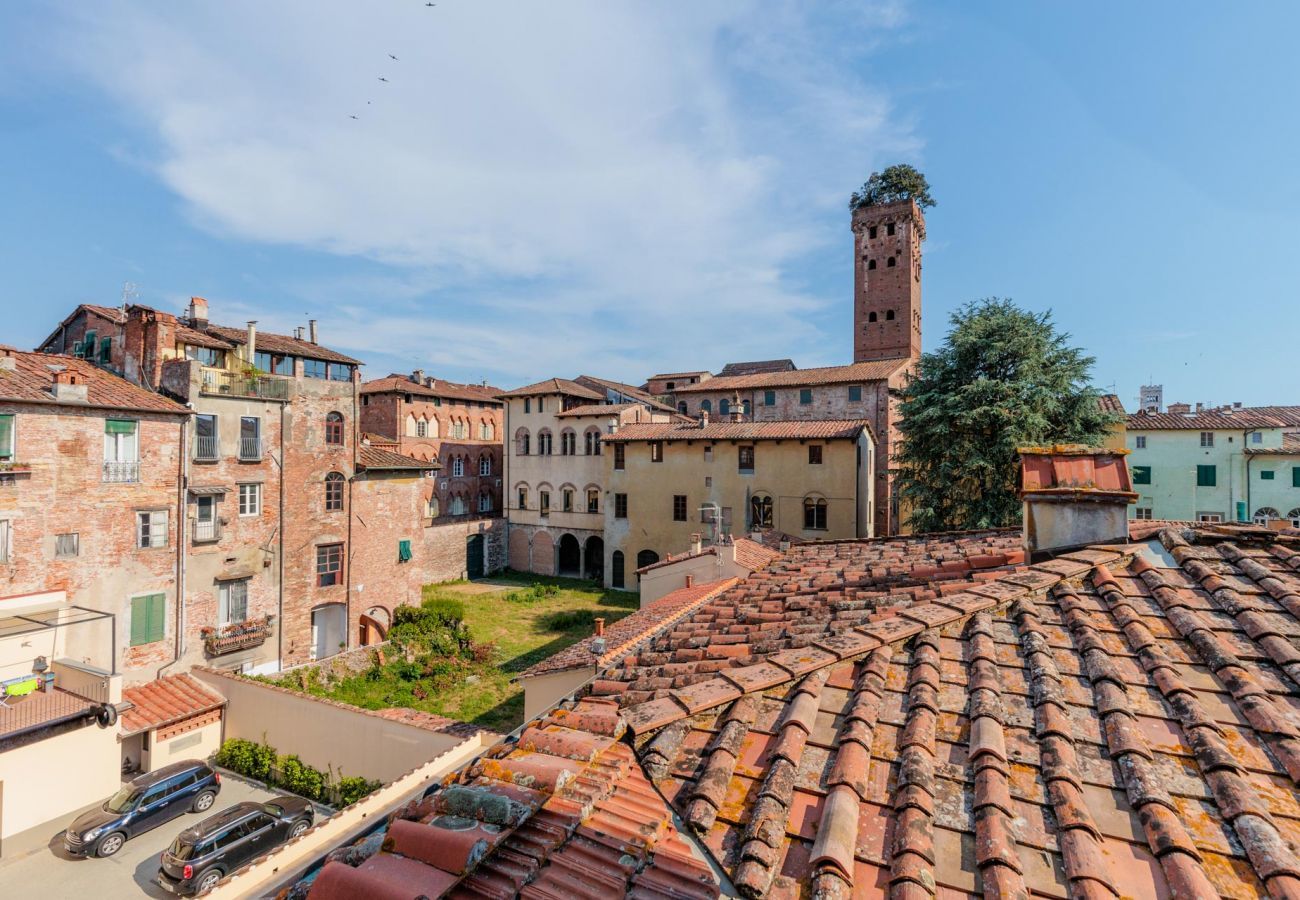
900, 182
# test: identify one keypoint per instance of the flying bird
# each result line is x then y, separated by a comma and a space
430, 4
383, 79
354, 117
394, 58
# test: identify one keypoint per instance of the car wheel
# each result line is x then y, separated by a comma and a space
203, 802
110, 844
207, 881
299, 827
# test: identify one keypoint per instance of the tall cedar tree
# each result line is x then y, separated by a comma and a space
1004, 378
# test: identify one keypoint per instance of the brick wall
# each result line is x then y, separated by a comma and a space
887, 299
74, 331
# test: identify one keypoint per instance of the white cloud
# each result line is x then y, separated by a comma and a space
600, 186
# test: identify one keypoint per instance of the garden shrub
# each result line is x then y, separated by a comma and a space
566, 620
300, 778
250, 759
260, 761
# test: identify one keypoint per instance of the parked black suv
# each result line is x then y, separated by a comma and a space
142, 804
205, 853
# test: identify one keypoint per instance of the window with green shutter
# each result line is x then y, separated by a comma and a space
769, 398
403, 551
1266, 475
1295, 477
148, 619
7, 437
105, 349
1207, 476
1141, 474
805, 396
88, 346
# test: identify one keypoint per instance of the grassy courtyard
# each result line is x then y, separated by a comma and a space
513, 621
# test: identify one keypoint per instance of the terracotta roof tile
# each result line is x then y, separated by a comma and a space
280, 343
555, 386
31, 378
448, 390
603, 385
824, 429
1210, 419
369, 457
856, 372
595, 409
757, 367
165, 701
1110, 403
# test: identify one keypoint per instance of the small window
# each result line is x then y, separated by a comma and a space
544, 503
1140, 442
620, 506
523, 498
485, 502
6, 538
890, 263
871, 317
889, 315
313, 368
148, 619
205, 437
616, 569
528, 404
708, 453
566, 500
871, 265
457, 466
855, 393
232, 602
1207, 438
1141, 474
1207, 476
656, 451
403, 551
334, 429
769, 398
1266, 475
679, 507
340, 372
706, 406
681, 407
760, 511
334, 492
484, 465
805, 396
619, 456
646, 558
329, 565
724, 407
871, 232
593, 500
1295, 476
250, 438
151, 529
746, 458
421, 428
814, 454
1142, 512
67, 546
814, 514
1209, 517
1257, 437
889, 229
250, 500
541, 404
7, 437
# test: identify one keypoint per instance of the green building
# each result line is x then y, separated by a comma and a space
1226, 464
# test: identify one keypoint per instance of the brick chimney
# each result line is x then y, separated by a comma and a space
418, 376
8, 362
737, 409
198, 312
1073, 496
67, 386
690, 581
1179, 409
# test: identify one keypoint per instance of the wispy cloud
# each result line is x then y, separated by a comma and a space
547, 188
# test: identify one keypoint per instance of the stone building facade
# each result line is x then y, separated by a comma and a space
458, 426
91, 474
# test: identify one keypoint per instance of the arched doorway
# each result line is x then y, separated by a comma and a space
374, 626
646, 558
329, 629
594, 552
474, 556
570, 562
616, 569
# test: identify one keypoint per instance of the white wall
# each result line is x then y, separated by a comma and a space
51, 778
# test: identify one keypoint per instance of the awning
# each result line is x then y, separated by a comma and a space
209, 490
236, 574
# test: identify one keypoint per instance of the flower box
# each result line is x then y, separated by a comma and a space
239, 636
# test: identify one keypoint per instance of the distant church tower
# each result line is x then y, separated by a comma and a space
887, 281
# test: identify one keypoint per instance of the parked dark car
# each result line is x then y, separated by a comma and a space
143, 804
205, 853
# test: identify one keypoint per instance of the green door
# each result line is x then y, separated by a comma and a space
474, 556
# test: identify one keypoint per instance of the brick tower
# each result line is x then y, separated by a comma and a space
887, 281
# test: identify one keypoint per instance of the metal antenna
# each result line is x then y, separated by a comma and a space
129, 293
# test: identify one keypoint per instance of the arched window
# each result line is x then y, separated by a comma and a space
568, 442
814, 513
589, 443
334, 429
889, 315
521, 442
421, 428
334, 492
681, 407
595, 441
760, 511
891, 262
521, 493
1294, 516
646, 558
616, 569
747, 408
485, 465
457, 466
871, 317
458, 505
706, 406
871, 264
1264, 514
485, 431
433, 507
485, 502
412, 425
724, 406
544, 442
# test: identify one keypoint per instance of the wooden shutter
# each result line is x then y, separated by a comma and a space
148, 618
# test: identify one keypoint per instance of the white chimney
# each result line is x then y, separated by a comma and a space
68, 386
704, 418
697, 542
418, 376
198, 312
250, 347
311, 330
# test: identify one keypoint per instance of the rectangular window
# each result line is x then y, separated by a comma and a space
593, 501
105, 350
679, 507
1207, 476
747, 459
855, 393
769, 398
250, 499
313, 368
1209, 517
232, 602
67, 546
148, 619
1257, 437
523, 498
528, 405
1295, 476
205, 437
329, 565
656, 451
544, 502
1142, 512
1141, 474
1140, 442
121, 450
403, 551
1266, 475
340, 372
1207, 438
619, 456
7, 437
207, 356
567, 500
541, 404
620, 506
250, 438
151, 529
814, 454
805, 396
273, 363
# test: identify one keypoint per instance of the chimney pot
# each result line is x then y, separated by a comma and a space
1074, 496
417, 376
600, 628
198, 312
250, 347
311, 330
697, 542
690, 581
704, 419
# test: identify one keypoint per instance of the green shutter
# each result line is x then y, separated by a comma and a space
1141, 474
105, 350
403, 551
1295, 477
88, 346
148, 619
119, 426
6, 437
1206, 476
1266, 475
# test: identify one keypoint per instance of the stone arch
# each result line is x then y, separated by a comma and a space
569, 557
522, 442
412, 425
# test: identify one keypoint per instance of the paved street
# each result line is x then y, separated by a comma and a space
43, 870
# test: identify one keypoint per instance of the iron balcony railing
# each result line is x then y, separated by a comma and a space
205, 447
122, 472
250, 448
207, 531
235, 384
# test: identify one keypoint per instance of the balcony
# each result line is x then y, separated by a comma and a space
221, 383
122, 472
205, 448
207, 531
237, 636
250, 449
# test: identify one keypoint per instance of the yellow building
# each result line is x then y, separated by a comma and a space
667, 482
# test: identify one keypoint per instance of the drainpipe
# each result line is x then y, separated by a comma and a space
182, 479
1245, 435
279, 634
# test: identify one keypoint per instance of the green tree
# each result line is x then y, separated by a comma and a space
900, 182
1004, 378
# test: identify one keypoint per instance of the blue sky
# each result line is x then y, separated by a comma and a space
627, 188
